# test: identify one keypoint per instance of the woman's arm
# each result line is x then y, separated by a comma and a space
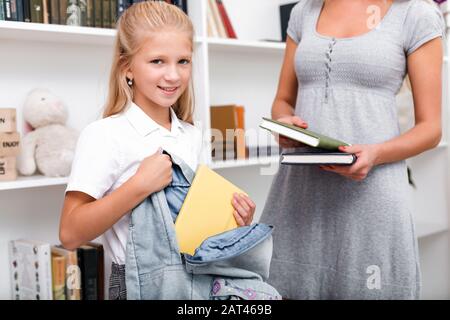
84, 218
425, 73
283, 106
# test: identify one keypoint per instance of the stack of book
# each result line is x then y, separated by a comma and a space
40, 271
323, 150
228, 132
89, 13
9, 144
219, 24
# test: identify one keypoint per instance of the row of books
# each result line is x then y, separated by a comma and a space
89, 13
40, 271
228, 136
219, 24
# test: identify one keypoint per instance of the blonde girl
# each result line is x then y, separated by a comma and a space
118, 162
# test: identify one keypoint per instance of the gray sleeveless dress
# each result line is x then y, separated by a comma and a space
336, 238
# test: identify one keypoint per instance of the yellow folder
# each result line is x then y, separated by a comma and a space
206, 211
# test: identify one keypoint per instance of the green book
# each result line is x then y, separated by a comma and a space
305, 136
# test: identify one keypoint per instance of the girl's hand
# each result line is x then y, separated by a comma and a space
244, 209
154, 173
367, 155
285, 142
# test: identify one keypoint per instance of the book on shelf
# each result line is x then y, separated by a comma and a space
206, 210
285, 14
58, 276
226, 20
219, 23
100, 269
37, 14
91, 13
87, 261
228, 131
318, 157
30, 270
216, 18
305, 136
213, 31
72, 272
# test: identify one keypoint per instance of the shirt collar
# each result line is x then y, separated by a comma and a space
146, 125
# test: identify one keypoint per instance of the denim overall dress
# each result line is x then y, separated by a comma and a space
231, 265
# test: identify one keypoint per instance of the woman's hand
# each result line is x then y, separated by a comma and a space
367, 157
244, 209
285, 142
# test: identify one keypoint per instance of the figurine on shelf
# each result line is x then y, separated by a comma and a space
73, 14
50, 147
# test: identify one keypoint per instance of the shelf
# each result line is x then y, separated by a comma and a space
32, 182
244, 162
55, 33
58, 33
240, 46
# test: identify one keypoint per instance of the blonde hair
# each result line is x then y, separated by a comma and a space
135, 23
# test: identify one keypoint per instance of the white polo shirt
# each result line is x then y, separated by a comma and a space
109, 151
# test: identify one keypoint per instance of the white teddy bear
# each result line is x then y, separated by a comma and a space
51, 145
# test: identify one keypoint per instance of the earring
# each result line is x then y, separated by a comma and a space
130, 82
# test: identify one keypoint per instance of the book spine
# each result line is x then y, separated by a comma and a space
13, 271
19, 4
87, 261
106, 14
182, 4
212, 28
58, 277
13, 10
73, 277
226, 20
7, 9
90, 13
98, 13
55, 12
63, 11
83, 12
2, 10
46, 272
113, 7
45, 11
36, 11
26, 11
217, 19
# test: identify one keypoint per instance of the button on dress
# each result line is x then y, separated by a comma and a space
335, 238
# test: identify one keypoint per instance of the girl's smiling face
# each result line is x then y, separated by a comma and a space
161, 69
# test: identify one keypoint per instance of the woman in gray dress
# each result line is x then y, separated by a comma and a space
347, 232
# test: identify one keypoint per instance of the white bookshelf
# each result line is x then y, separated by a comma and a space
74, 63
